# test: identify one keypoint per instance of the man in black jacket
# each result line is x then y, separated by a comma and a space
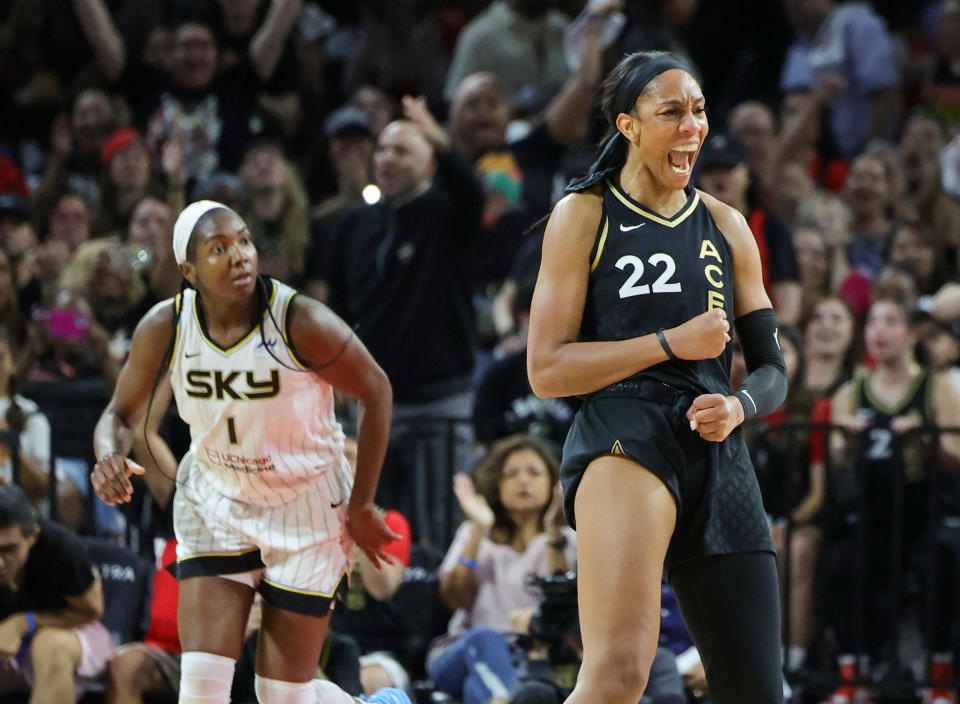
51, 600
398, 273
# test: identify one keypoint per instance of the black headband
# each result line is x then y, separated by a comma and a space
613, 152
640, 75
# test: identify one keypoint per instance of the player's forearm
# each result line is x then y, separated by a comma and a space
584, 367
159, 461
373, 435
112, 435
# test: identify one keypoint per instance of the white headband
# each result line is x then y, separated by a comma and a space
186, 221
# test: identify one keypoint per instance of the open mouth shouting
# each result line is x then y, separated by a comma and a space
681, 158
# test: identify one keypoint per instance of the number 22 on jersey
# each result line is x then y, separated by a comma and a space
662, 284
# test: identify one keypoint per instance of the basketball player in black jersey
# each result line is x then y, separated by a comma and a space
639, 277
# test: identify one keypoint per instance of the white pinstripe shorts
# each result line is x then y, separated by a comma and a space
302, 548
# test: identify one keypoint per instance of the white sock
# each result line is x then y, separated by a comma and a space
795, 657
279, 692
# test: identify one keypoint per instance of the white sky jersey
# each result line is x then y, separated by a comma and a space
262, 431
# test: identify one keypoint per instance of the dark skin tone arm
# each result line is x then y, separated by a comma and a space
559, 365
114, 434
715, 416
333, 351
162, 471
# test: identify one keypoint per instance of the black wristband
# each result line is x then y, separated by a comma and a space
663, 343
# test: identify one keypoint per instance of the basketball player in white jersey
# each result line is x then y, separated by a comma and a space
265, 499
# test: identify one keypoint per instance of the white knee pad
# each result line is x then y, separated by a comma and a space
205, 678
279, 692
329, 693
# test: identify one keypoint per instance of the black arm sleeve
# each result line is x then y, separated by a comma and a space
765, 387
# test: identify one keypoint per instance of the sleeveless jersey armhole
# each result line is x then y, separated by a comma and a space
177, 303
599, 240
287, 337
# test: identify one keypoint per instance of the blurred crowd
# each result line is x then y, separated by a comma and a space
396, 160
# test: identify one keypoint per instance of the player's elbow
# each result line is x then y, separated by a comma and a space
540, 376
377, 388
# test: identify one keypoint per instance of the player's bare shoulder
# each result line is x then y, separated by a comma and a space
157, 324
576, 217
731, 221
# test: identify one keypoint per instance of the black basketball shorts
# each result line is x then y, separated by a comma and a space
719, 509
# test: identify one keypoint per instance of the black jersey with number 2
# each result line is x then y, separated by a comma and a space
649, 272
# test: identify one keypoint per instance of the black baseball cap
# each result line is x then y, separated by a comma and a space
14, 204
721, 150
348, 120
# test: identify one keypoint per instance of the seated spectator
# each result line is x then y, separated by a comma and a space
938, 344
75, 143
657, 26
72, 345
70, 225
830, 219
212, 115
23, 417
151, 230
755, 125
514, 528
377, 104
518, 175
723, 173
222, 187
814, 266
400, 47
349, 131
805, 142
882, 467
867, 192
520, 42
921, 145
54, 643
278, 212
70, 222
398, 271
18, 241
914, 247
897, 283
151, 668
849, 45
942, 92
105, 274
12, 320
127, 180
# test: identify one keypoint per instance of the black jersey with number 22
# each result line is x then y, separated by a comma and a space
649, 272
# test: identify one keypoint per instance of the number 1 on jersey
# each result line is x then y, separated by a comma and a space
232, 431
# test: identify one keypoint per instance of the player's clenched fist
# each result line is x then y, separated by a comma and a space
702, 337
714, 416
110, 478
